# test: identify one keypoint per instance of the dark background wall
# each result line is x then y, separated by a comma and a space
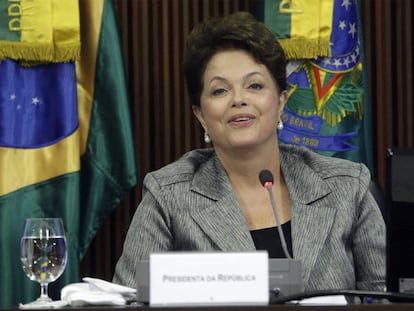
153, 33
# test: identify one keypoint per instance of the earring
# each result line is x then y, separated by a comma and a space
279, 125
207, 138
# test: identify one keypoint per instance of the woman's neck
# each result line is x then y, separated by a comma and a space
243, 166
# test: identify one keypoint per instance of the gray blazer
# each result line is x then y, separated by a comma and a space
337, 228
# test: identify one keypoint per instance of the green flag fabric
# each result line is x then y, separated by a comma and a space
328, 107
78, 169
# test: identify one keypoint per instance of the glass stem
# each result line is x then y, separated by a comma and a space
43, 291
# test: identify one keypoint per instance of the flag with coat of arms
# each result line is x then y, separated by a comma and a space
328, 109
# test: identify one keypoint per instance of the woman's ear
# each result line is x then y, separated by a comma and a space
283, 97
199, 115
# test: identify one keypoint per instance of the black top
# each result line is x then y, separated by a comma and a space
268, 239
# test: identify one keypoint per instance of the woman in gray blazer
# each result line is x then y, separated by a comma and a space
211, 199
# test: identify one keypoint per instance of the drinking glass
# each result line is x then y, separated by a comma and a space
43, 253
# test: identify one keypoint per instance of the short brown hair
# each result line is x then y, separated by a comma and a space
237, 31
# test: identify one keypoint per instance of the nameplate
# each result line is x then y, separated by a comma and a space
189, 278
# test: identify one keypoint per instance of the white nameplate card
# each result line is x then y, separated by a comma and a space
190, 278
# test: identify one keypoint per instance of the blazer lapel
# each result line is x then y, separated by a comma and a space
312, 217
311, 225
221, 219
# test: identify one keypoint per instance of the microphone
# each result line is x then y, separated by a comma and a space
266, 179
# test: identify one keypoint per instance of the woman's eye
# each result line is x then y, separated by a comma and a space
256, 86
218, 92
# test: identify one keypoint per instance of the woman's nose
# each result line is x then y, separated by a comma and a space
239, 99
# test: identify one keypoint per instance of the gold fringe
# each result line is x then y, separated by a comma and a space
301, 48
330, 118
40, 53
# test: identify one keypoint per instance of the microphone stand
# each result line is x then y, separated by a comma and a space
268, 186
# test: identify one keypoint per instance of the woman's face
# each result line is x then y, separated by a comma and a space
240, 104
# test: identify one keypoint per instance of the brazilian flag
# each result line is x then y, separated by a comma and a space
328, 105
66, 145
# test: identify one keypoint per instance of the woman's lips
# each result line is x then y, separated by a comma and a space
241, 119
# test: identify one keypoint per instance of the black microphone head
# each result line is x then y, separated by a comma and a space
266, 176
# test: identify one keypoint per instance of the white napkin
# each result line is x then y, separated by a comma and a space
97, 292
54, 304
335, 300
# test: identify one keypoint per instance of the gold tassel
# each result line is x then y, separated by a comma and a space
301, 48
37, 53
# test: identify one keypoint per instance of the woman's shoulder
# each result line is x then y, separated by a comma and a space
184, 168
323, 165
